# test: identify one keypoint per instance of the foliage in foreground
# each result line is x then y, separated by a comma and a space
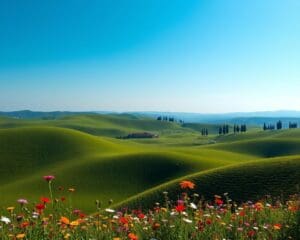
189, 217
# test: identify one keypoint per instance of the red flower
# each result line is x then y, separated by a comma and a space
123, 220
208, 221
219, 201
141, 216
180, 208
49, 178
45, 200
251, 233
40, 207
24, 224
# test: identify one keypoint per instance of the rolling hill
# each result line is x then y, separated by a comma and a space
82, 151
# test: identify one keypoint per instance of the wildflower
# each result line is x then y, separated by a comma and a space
45, 200
24, 224
123, 220
71, 189
187, 184
64, 220
187, 220
109, 210
49, 178
155, 226
193, 205
258, 206
141, 216
22, 201
180, 208
251, 233
208, 221
20, 236
132, 236
219, 201
40, 207
5, 220
74, 223
10, 209
277, 226
67, 236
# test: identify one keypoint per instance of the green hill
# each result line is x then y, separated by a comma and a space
82, 151
242, 182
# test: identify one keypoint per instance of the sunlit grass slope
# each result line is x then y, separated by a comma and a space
101, 125
248, 181
83, 152
100, 168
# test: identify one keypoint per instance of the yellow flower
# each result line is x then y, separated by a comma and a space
116, 238
20, 236
67, 236
10, 209
74, 223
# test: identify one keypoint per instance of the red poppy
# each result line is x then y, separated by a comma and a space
180, 208
123, 220
219, 201
45, 200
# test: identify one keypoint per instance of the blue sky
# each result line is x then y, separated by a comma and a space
190, 56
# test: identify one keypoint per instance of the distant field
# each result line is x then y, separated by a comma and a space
83, 151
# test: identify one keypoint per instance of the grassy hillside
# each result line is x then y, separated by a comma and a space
248, 181
82, 152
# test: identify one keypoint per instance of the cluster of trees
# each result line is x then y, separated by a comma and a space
241, 128
293, 125
169, 119
204, 132
268, 127
224, 129
278, 126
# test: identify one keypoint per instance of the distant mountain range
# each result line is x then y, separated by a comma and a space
253, 118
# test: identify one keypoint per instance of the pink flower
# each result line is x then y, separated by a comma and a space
22, 201
49, 178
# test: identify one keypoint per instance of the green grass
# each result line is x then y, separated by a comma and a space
83, 152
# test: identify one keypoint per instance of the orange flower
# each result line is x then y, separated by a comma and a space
187, 184
277, 226
132, 236
20, 236
65, 220
258, 206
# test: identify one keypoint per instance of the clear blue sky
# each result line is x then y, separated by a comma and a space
191, 56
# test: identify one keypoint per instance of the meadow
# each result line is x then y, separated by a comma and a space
85, 154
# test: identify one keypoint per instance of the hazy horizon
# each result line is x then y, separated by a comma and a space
201, 56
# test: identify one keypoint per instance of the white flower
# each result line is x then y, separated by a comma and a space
5, 220
187, 220
255, 228
193, 205
109, 210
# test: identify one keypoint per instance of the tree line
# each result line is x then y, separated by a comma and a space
279, 126
169, 119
